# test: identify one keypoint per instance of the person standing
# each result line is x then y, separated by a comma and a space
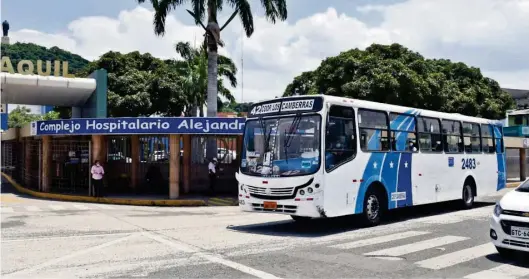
212, 168
97, 178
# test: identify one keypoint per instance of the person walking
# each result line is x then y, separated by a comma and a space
97, 178
212, 168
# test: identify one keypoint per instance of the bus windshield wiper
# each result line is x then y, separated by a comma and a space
289, 134
266, 135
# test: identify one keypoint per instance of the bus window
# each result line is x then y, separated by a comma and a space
429, 134
472, 138
453, 143
340, 141
498, 139
403, 135
374, 127
487, 142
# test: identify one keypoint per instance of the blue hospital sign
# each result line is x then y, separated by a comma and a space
140, 125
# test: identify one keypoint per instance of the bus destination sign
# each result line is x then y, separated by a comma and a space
286, 106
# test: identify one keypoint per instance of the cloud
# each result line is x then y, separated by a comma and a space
490, 34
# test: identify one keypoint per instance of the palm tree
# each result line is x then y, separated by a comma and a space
194, 77
274, 9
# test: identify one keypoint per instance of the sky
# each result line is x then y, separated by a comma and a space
490, 34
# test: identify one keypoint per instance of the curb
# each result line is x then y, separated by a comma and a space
222, 202
74, 198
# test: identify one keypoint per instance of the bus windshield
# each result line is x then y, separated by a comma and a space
283, 146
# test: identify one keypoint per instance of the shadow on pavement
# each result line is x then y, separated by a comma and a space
329, 226
519, 259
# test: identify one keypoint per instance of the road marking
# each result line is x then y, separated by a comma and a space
417, 246
62, 237
214, 258
7, 210
57, 207
69, 256
80, 206
457, 257
378, 240
504, 271
32, 208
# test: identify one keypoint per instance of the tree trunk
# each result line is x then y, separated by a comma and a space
212, 99
212, 83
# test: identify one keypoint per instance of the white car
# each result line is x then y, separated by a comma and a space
509, 225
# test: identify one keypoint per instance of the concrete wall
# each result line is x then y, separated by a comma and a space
25, 131
10, 134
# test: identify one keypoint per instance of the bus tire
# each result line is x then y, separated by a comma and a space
374, 206
467, 196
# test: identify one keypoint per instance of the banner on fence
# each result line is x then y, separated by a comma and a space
140, 125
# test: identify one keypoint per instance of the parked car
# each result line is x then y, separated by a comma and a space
509, 224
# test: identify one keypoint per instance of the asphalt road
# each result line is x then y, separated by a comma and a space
50, 239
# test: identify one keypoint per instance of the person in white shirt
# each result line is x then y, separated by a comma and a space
212, 169
97, 178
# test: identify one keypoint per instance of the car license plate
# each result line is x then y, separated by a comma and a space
520, 232
269, 205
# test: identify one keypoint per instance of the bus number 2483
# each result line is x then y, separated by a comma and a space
468, 163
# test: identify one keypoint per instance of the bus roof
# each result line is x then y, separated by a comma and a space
398, 109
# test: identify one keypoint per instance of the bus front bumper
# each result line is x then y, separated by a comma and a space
307, 207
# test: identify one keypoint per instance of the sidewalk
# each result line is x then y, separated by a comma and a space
126, 199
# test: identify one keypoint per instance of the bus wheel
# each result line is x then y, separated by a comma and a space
468, 196
373, 207
300, 218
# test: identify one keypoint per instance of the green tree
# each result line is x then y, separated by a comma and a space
140, 85
393, 74
22, 115
33, 52
194, 77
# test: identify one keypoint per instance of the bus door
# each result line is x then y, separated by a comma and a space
340, 150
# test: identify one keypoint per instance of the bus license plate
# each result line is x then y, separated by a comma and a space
269, 205
520, 232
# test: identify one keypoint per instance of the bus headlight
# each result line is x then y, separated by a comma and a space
243, 188
301, 192
309, 190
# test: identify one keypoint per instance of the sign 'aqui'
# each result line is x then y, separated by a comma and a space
27, 67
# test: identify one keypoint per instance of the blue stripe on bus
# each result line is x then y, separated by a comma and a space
379, 168
373, 143
500, 158
389, 174
404, 172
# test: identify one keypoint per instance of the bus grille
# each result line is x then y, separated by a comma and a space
280, 208
278, 192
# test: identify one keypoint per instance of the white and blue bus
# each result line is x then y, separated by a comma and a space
325, 156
